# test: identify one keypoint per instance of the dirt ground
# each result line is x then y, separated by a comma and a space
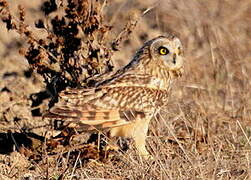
203, 133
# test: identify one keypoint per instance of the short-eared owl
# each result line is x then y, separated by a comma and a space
125, 101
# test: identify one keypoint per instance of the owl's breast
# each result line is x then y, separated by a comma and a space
161, 84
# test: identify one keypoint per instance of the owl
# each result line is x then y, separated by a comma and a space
124, 102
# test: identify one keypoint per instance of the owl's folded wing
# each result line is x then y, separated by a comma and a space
86, 117
85, 109
107, 106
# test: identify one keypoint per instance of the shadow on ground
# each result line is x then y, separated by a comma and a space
10, 142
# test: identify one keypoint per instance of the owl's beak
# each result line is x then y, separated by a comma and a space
174, 58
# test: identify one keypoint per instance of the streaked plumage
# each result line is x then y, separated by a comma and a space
125, 101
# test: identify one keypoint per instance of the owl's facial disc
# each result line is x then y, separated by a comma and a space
168, 52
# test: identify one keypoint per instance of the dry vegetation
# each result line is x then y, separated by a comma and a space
204, 132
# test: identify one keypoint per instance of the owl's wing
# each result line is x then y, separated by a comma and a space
77, 110
113, 104
94, 108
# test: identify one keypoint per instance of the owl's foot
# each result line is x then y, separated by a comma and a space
112, 147
143, 153
146, 156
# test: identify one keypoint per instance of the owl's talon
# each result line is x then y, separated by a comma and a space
112, 148
147, 157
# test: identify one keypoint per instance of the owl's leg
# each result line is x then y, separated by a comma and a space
139, 136
138, 131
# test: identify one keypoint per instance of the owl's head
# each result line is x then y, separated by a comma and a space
159, 57
167, 50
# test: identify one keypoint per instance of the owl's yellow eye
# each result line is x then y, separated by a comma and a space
163, 50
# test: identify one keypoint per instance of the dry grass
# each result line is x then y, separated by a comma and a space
204, 132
